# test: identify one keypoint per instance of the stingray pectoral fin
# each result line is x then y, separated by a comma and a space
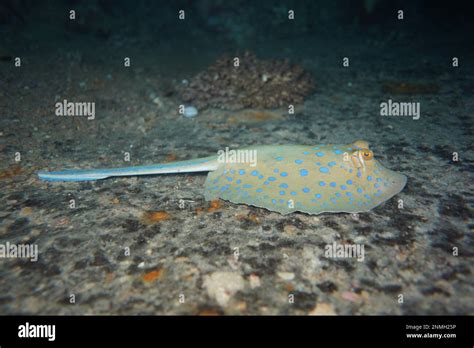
397, 183
191, 166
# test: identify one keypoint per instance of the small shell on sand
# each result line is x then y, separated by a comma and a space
190, 111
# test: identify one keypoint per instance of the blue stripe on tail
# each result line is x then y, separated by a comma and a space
72, 175
197, 165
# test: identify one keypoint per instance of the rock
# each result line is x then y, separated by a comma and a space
323, 309
254, 281
26, 211
290, 230
221, 286
158, 102
286, 275
352, 296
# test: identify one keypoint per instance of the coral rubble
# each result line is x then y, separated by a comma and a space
253, 83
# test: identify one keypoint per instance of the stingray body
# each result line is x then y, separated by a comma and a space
283, 178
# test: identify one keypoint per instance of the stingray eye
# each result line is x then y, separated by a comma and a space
367, 154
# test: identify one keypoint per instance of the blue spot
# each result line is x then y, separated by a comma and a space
359, 174
254, 173
260, 176
274, 201
298, 161
281, 200
333, 200
333, 184
247, 186
282, 193
322, 183
369, 178
279, 158
229, 179
318, 163
350, 170
224, 188
306, 190
376, 185
275, 170
293, 193
348, 194
343, 187
271, 178
332, 164
238, 181
367, 196
305, 152
349, 182
320, 154
265, 182
338, 152
284, 185
324, 170
338, 194
259, 190
318, 195
303, 172
241, 172
359, 189
284, 174
379, 179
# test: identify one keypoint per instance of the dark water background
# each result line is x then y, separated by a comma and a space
409, 251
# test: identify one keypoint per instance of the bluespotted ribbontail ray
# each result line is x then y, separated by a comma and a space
285, 179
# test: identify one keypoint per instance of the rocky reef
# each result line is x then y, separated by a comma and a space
254, 83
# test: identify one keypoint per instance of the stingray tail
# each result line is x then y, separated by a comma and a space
191, 166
